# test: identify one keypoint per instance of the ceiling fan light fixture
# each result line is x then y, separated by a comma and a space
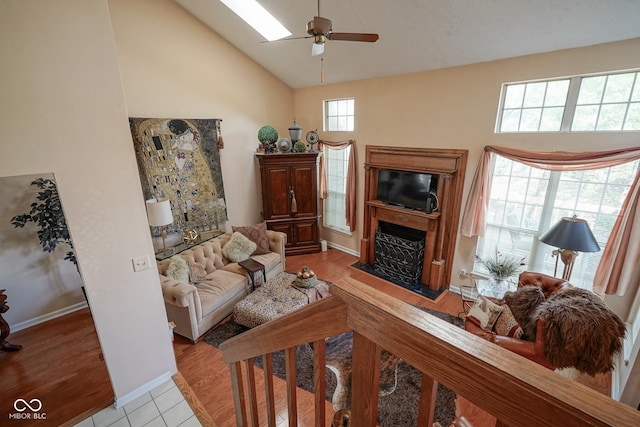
259, 18
317, 48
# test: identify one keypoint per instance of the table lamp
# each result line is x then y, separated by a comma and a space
159, 214
570, 235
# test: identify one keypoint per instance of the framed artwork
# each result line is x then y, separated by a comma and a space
179, 159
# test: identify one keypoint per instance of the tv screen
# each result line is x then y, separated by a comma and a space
406, 189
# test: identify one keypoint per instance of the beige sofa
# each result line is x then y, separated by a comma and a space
197, 308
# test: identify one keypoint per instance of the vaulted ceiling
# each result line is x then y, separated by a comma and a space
419, 35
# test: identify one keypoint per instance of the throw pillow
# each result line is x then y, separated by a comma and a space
178, 269
197, 272
486, 312
522, 303
238, 248
506, 325
258, 235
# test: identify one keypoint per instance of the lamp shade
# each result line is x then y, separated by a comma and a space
571, 233
159, 212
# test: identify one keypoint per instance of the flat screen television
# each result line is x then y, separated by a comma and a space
406, 189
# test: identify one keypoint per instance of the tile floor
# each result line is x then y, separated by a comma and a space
163, 406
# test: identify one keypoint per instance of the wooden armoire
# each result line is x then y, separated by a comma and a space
290, 198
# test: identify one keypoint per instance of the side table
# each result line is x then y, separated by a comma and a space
252, 266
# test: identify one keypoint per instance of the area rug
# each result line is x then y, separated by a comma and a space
419, 288
397, 409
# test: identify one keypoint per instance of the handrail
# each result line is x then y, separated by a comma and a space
515, 390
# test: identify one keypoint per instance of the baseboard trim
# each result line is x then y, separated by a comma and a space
131, 396
49, 316
343, 249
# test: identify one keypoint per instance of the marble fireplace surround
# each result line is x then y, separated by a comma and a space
448, 166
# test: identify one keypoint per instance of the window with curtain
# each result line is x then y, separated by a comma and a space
605, 102
525, 202
336, 164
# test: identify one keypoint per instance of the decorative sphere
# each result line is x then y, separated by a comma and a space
267, 134
299, 147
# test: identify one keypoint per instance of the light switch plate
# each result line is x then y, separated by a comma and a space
141, 264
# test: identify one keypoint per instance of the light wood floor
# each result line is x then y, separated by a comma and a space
61, 363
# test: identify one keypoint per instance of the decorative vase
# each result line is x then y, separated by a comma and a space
498, 286
295, 132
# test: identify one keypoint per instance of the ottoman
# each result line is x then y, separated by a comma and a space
274, 299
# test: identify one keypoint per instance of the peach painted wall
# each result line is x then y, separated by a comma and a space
172, 65
457, 108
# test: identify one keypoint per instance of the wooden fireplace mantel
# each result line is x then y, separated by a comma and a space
441, 227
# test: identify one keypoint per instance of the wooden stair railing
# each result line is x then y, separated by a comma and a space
516, 391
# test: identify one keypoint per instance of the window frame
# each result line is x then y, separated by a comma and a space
327, 203
350, 118
551, 205
571, 102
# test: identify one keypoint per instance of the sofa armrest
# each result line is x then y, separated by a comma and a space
177, 293
277, 242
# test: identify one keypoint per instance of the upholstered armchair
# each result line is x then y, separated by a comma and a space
550, 285
561, 325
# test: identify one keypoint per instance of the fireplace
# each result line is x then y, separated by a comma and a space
438, 222
399, 254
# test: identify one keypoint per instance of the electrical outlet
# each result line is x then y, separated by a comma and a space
141, 264
463, 271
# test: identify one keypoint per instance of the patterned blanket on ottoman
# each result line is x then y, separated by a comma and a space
276, 298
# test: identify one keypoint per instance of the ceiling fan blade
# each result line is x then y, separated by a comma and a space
317, 49
353, 37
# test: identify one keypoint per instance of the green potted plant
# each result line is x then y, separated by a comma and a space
47, 214
500, 268
268, 135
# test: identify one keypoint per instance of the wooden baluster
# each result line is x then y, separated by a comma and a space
238, 394
251, 391
365, 366
290, 369
427, 404
267, 362
319, 381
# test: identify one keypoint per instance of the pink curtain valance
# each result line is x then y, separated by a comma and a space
350, 214
618, 259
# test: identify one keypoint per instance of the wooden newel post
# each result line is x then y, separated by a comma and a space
4, 326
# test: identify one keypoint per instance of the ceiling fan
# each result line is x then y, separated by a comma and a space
320, 30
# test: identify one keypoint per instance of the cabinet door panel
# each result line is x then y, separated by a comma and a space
305, 185
278, 199
306, 233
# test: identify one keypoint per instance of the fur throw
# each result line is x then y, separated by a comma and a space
523, 303
580, 331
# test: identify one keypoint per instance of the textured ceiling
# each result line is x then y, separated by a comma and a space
418, 35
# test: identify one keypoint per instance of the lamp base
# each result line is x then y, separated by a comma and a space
568, 259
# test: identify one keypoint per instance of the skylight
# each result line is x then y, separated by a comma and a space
257, 16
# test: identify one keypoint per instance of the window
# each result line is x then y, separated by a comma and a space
336, 164
339, 115
609, 102
525, 202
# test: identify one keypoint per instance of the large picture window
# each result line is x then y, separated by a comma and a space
525, 202
606, 102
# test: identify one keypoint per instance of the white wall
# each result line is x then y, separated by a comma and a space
39, 284
63, 111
